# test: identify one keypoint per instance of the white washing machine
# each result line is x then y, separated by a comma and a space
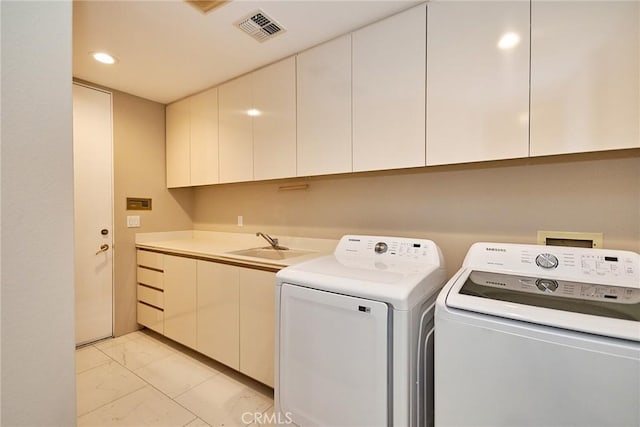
530, 335
351, 330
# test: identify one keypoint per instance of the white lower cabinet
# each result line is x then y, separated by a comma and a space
151, 317
180, 299
257, 324
223, 311
150, 290
218, 312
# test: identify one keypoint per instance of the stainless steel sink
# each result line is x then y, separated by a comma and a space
270, 253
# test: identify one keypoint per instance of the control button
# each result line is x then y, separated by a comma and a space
381, 247
547, 261
547, 285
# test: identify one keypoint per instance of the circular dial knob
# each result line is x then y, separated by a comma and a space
547, 261
381, 247
547, 285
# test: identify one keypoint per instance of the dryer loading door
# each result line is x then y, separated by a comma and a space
333, 359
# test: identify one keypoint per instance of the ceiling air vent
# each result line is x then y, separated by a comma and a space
260, 26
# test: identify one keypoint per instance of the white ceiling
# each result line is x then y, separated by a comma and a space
167, 50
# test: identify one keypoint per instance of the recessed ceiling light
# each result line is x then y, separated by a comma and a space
103, 57
508, 40
253, 112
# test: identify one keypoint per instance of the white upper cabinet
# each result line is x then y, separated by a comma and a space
258, 124
585, 77
235, 130
324, 108
192, 140
274, 128
389, 92
477, 81
204, 137
178, 149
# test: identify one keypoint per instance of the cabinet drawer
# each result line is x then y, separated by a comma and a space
150, 259
151, 278
151, 296
152, 318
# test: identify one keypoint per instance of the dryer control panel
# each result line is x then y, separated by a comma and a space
598, 266
387, 248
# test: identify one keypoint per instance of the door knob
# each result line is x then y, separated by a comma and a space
103, 248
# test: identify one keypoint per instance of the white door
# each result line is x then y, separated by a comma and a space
333, 359
92, 155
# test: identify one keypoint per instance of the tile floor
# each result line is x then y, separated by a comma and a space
144, 379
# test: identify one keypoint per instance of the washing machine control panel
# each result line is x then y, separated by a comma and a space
547, 261
508, 283
601, 266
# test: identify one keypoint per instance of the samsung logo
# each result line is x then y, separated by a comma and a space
496, 249
489, 282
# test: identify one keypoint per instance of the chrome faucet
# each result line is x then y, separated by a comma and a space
271, 240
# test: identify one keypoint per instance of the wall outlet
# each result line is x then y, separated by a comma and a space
240, 221
133, 221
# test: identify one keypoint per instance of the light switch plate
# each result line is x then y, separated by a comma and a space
133, 221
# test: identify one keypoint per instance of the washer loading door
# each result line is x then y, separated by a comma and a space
333, 359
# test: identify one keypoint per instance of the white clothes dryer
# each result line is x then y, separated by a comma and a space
351, 329
530, 335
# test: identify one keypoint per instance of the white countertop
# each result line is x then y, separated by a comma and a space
217, 245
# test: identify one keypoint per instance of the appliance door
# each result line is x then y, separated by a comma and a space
501, 372
333, 359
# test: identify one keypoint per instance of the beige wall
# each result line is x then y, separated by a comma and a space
455, 206
37, 348
139, 171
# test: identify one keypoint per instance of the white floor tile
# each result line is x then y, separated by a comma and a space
175, 374
121, 339
138, 352
103, 384
223, 401
197, 423
172, 385
90, 357
144, 407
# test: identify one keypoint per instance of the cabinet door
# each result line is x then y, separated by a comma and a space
257, 324
236, 135
218, 312
389, 92
274, 128
477, 81
204, 137
585, 90
324, 108
180, 299
178, 149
